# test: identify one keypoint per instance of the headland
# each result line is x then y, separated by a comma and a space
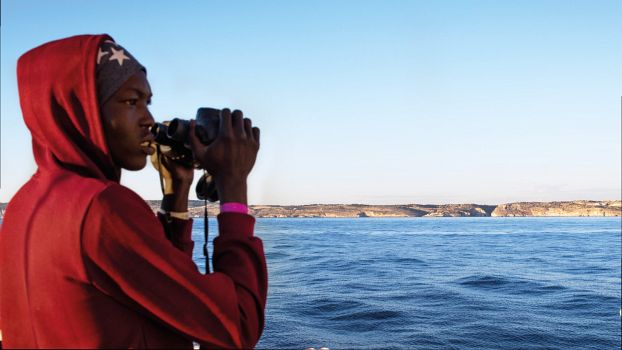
567, 208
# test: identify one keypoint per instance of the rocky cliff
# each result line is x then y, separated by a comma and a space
368, 211
571, 208
574, 208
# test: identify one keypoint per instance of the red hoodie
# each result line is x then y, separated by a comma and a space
84, 263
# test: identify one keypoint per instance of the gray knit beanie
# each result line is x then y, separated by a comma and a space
114, 67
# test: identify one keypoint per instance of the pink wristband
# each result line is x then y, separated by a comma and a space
233, 207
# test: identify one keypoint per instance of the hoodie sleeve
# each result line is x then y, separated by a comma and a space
178, 232
128, 257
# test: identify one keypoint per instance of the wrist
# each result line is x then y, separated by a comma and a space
232, 190
177, 199
181, 185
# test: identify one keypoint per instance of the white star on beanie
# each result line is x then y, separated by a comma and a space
118, 55
101, 54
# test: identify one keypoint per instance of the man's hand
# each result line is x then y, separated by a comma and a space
178, 172
231, 157
177, 182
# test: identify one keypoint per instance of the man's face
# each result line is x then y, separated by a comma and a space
127, 121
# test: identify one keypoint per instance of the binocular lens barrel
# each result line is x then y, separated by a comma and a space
160, 133
179, 130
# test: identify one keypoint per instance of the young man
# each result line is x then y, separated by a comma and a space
84, 263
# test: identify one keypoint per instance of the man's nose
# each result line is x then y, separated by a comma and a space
149, 118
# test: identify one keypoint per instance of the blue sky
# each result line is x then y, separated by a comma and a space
379, 102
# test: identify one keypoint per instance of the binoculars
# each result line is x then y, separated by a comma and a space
173, 141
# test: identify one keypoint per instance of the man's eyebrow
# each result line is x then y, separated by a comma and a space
141, 92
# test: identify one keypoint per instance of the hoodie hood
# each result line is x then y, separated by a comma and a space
58, 97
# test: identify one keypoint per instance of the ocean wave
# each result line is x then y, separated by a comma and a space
326, 306
369, 315
509, 285
408, 261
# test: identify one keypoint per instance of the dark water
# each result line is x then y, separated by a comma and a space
441, 283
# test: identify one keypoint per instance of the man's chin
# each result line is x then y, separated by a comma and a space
138, 165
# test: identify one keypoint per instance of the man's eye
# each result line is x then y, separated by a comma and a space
131, 101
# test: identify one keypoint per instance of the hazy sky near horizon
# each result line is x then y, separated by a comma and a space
379, 102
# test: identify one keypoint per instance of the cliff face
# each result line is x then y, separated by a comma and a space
456, 210
574, 208
329, 211
369, 211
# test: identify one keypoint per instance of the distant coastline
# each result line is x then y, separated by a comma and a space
516, 209
536, 209
567, 208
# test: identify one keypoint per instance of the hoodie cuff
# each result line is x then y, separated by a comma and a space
178, 232
235, 225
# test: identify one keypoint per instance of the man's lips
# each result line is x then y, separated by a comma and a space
148, 147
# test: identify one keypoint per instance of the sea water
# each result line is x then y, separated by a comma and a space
440, 283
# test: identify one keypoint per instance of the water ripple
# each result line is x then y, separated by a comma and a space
443, 283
